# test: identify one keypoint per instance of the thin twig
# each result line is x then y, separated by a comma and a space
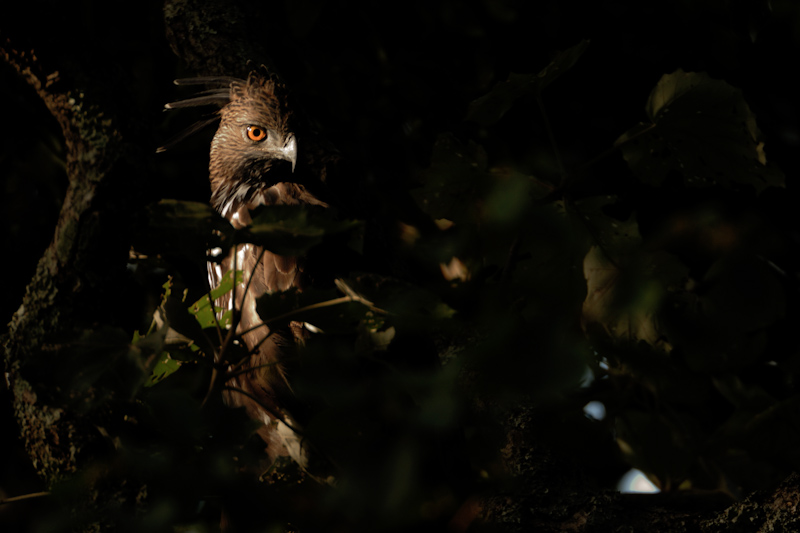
329, 303
596, 159
268, 409
237, 312
593, 233
237, 373
211, 383
512, 251
552, 137
24, 497
318, 305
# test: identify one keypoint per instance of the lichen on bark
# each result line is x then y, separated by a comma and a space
93, 145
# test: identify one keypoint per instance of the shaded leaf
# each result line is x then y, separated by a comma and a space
510, 197
703, 130
326, 310
402, 299
744, 293
491, 107
626, 284
94, 366
740, 394
658, 444
721, 323
290, 229
367, 300
187, 227
454, 180
774, 433
614, 236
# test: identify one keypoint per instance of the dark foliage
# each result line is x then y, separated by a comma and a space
540, 205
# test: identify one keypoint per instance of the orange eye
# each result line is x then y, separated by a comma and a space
256, 133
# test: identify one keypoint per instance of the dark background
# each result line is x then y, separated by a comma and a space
384, 80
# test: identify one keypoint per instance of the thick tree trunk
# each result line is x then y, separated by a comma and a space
71, 270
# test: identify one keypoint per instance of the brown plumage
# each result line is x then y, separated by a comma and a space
254, 155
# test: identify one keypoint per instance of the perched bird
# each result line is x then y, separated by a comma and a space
253, 162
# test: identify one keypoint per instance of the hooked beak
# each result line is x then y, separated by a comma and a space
290, 151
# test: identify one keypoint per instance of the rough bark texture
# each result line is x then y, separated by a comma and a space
72, 290
93, 146
73, 269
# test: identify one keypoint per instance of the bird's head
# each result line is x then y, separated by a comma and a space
255, 145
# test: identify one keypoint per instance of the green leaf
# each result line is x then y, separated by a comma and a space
165, 366
205, 309
491, 107
701, 129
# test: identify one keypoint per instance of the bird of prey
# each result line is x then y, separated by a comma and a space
254, 160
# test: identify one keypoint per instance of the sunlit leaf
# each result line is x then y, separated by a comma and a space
205, 310
165, 366
626, 284
621, 319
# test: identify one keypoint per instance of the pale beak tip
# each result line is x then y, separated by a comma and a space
290, 149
